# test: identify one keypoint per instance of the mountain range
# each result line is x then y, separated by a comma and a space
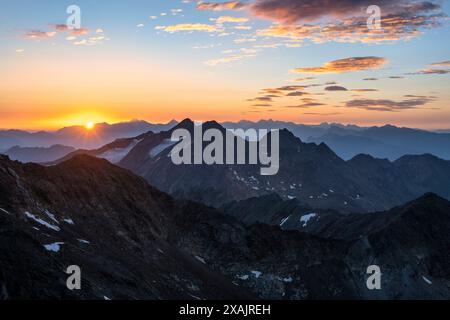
386, 142
135, 242
347, 141
78, 136
311, 173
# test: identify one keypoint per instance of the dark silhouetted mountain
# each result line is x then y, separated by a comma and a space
78, 136
312, 173
38, 155
135, 242
106, 220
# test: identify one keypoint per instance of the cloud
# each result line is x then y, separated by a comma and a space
221, 6
304, 79
306, 105
57, 28
191, 27
36, 34
430, 71
387, 105
292, 11
262, 99
335, 88
441, 64
370, 79
228, 59
364, 90
229, 19
346, 21
65, 28
296, 94
345, 65
262, 105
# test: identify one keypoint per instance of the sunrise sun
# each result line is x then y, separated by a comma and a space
89, 125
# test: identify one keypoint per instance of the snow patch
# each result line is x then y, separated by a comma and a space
427, 280
195, 297
54, 247
200, 259
304, 220
69, 221
4, 211
117, 154
84, 241
283, 222
161, 147
288, 280
257, 274
51, 216
42, 222
244, 277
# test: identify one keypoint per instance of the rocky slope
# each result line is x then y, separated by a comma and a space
135, 242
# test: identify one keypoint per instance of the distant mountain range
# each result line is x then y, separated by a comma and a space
38, 154
311, 173
78, 136
347, 141
135, 242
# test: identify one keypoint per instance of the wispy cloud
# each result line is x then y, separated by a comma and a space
37, 34
191, 27
345, 65
336, 88
387, 105
230, 19
221, 6
441, 64
430, 71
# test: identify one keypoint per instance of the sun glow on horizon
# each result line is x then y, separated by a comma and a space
89, 125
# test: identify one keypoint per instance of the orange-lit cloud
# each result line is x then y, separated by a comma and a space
441, 64
230, 19
345, 65
221, 6
192, 27
311, 19
36, 34
39, 34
